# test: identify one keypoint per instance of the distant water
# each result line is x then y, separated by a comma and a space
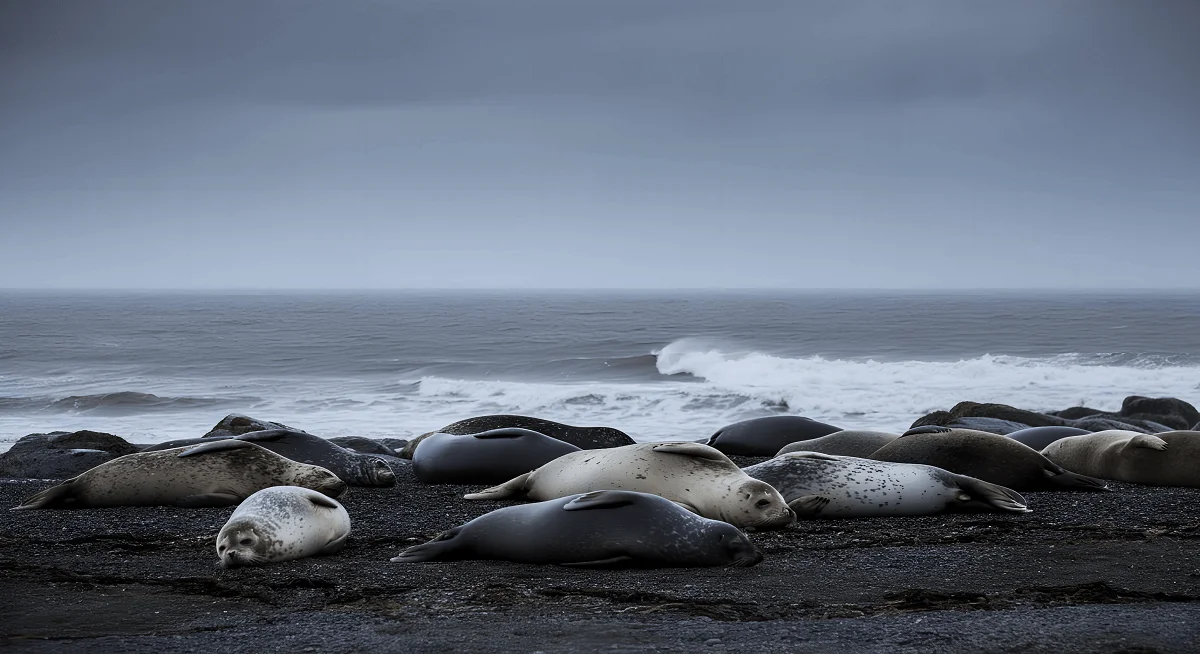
659, 365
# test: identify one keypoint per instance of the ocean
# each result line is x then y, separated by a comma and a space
660, 365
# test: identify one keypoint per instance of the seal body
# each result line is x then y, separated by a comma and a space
216, 473
585, 438
1039, 437
820, 485
693, 475
354, 468
281, 523
988, 457
489, 457
609, 527
1170, 458
848, 442
766, 436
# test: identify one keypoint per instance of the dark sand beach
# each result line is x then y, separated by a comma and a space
1084, 572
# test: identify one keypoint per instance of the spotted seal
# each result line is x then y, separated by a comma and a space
694, 475
282, 523
216, 473
821, 485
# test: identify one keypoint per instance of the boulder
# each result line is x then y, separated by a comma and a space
1170, 411
61, 455
1003, 419
236, 424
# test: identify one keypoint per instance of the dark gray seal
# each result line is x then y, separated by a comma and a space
489, 457
766, 436
585, 438
605, 527
363, 445
848, 442
352, 467
214, 473
1039, 437
989, 457
60, 455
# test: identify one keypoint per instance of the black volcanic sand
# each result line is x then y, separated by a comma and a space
1085, 572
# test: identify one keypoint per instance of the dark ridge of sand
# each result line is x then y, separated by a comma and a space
1085, 572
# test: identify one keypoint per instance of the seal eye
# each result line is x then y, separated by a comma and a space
245, 541
763, 503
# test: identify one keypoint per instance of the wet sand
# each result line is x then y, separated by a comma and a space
1085, 572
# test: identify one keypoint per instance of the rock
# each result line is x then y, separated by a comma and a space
996, 411
61, 455
364, 445
1003, 419
396, 444
236, 424
1170, 411
1076, 412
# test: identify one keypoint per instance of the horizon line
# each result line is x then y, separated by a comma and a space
624, 289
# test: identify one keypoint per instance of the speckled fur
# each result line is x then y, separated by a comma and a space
699, 477
632, 528
225, 477
857, 487
282, 523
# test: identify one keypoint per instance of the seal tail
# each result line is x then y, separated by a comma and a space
434, 550
61, 496
513, 488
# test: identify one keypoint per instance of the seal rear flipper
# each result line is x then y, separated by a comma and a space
993, 495
808, 506
512, 489
216, 446
434, 550
202, 500
265, 436
597, 564
322, 500
1148, 441
600, 500
61, 496
698, 450
1070, 481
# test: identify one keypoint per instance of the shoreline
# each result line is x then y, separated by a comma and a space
1083, 572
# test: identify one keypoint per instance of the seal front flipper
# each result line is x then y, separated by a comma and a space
201, 500
808, 506
599, 500
216, 446
596, 564
334, 545
1148, 441
61, 496
698, 450
512, 489
927, 429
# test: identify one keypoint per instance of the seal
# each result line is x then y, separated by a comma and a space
354, 468
824, 486
282, 523
362, 445
1039, 437
216, 473
766, 436
696, 476
488, 457
1170, 458
585, 438
848, 442
985, 456
600, 528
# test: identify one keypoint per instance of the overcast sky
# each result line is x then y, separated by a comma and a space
602, 143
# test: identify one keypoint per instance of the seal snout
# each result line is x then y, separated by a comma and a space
334, 487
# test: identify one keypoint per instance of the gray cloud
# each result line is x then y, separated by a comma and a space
599, 144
